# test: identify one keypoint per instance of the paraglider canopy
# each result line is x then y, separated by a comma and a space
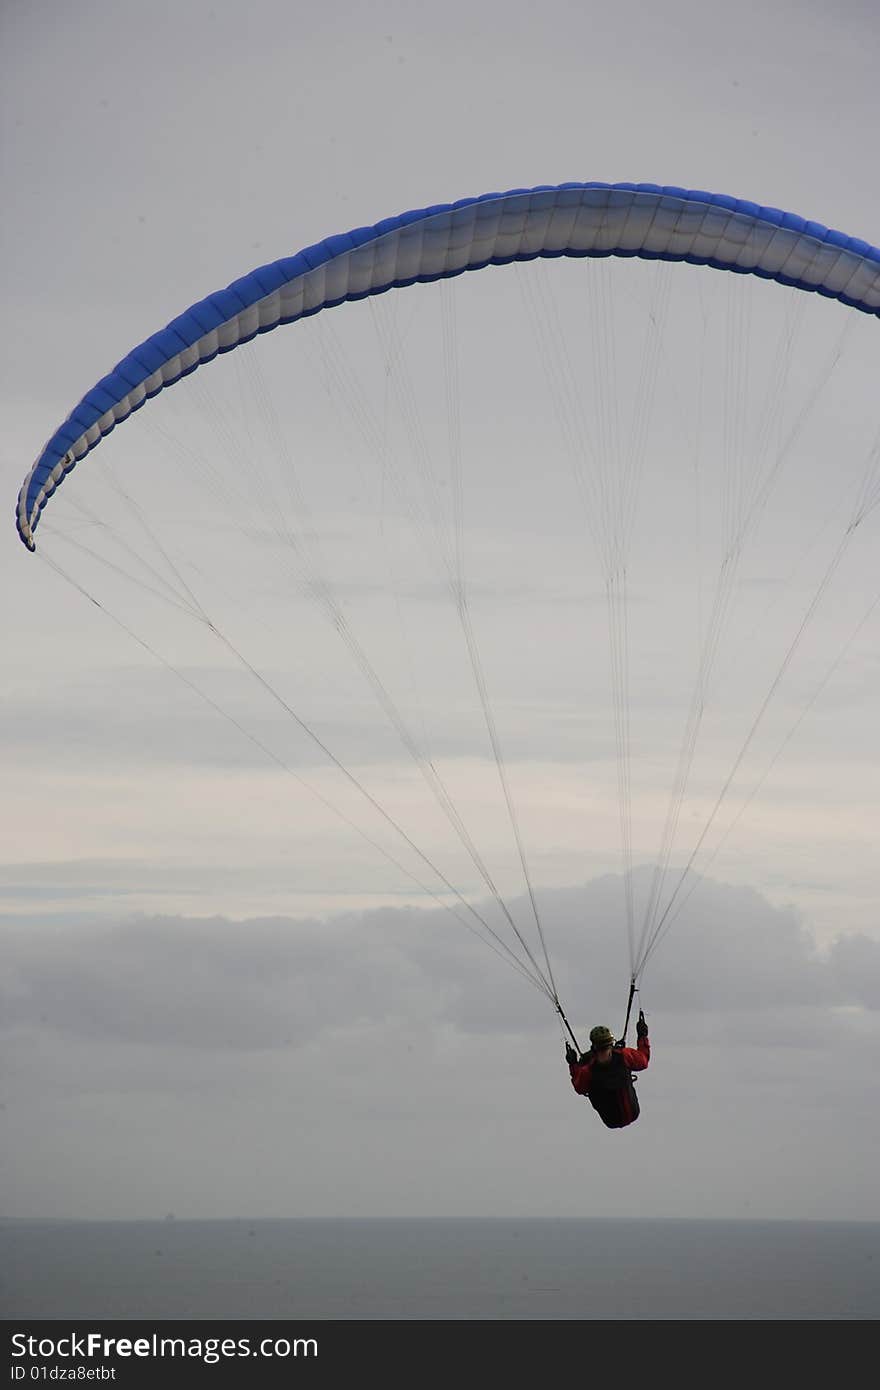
434, 243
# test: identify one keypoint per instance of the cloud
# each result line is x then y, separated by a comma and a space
385, 1062
214, 983
854, 961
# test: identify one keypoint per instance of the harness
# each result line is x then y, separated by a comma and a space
612, 1092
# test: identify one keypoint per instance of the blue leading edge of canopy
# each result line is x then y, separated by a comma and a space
210, 313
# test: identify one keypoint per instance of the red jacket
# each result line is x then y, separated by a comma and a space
608, 1086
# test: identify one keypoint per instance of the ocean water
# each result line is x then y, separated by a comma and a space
433, 1269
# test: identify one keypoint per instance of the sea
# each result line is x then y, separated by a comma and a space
440, 1269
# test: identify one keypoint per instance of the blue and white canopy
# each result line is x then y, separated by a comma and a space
573, 219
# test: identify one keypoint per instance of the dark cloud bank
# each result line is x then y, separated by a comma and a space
282, 982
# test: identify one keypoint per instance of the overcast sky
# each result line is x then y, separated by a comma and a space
216, 1000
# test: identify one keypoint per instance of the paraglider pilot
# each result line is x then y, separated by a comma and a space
604, 1074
